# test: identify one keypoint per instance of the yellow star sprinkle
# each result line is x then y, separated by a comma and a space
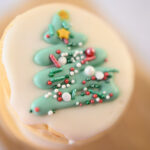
63, 14
63, 33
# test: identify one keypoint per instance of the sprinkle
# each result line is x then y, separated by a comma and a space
92, 101
80, 43
69, 48
83, 82
100, 101
46, 95
72, 81
87, 102
54, 60
55, 96
97, 99
87, 93
110, 94
89, 58
36, 109
94, 96
47, 36
71, 69
81, 52
59, 99
93, 78
66, 96
107, 97
90, 52
89, 71
58, 78
71, 73
59, 93
56, 90
49, 82
106, 74
73, 93
66, 81
99, 75
78, 65
85, 89
76, 71
80, 104
66, 41
50, 112
77, 103
62, 60
68, 85
82, 62
58, 51
104, 92
63, 86
58, 85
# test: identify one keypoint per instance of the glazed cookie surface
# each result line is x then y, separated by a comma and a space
25, 38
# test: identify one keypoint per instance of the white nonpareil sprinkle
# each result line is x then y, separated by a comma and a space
89, 71
107, 97
66, 96
59, 85
63, 86
55, 96
76, 71
56, 90
68, 85
71, 142
50, 112
71, 73
62, 60
85, 89
78, 65
97, 99
62, 54
99, 75
69, 48
80, 43
77, 103
72, 81
104, 92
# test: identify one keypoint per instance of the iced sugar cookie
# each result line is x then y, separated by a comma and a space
70, 75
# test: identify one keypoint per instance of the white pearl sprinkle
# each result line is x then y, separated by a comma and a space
76, 71
104, 92
77, 103
63, 86
68, 85
80, 43
69, 48
107, 97
50, 112
55, 96
97, 99
77, 58
59, 85
56, 90
62, 54
71, 73
66, 96
72, 81
85, 89
89, 71
66, 54
62, 60
99, 75
78, 65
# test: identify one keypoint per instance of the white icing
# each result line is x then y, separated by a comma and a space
23, 40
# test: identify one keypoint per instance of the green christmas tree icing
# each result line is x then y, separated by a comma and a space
74, 76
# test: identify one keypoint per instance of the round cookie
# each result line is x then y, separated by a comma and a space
24, 38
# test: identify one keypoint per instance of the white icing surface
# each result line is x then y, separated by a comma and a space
24, 38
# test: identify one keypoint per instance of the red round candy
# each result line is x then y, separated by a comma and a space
92, 101
87, 93
58, 51
49, 82
37, 109
80, 104
94, 95
71, 69
100, 101
47, 36
59, 99
106, 74
82, 61
83, 82
89, 52
93, 78
66, 81
59, 93
111, 94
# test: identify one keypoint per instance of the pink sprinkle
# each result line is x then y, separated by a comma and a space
66, 41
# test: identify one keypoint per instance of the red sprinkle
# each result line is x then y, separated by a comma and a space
37, 109
89, 58
110, 94
89, 52
94, 95
80, 104
47, 36
105, 78
58, 51
66, 81
49, 82
93, 78
92, 101
106, 74
59, 99
106, 60
100, 101
54, 60
66, 41
83, 82
59, 93
82, 61
87, 93
71, 69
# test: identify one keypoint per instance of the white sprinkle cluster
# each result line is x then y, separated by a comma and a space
48, 95
97, 99
99, 75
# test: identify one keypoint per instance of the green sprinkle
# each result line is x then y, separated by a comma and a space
58, 78
74, 93
88, 79
30, 110
102, 96
92, 86
55, 70
67, 76
87, 102
82, 94
51, 74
